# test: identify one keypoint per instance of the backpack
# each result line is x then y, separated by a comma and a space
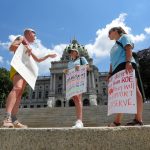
81, 63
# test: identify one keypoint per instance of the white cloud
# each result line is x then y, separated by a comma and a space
13, 37
1, 59
40, 51
6, 45
98, 50
138, 38
102, 44
147, 30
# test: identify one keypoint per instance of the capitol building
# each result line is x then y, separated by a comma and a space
50, 91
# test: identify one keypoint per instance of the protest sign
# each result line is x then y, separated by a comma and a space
122, 93
76, 81
25, 65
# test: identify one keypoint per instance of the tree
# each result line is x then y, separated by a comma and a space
144, 61
5, 86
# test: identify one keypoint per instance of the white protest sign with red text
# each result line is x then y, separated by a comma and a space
122, 93
76, 81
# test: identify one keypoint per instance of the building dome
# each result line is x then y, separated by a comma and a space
75, 45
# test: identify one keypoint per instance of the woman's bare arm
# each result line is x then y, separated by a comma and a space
15, 44
42, 58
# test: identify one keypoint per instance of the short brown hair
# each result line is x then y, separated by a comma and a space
120, 30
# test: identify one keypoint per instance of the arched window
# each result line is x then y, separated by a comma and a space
71, 103
58, 103
86, 102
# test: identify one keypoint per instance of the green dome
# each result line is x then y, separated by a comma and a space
75, 45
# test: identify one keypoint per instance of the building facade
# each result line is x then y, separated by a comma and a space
50, 91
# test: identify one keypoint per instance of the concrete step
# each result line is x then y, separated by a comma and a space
100, 138
65, 117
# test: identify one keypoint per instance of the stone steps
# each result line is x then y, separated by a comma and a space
65, 117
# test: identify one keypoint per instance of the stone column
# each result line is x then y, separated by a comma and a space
54, 83
93, 80
93, 101
51, 83
51, 102
63, 86
89, 80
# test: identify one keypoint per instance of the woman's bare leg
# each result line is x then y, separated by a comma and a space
138, 116
78, 105
18, 83
18, 100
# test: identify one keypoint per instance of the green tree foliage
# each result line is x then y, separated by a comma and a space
144, 61
5, 86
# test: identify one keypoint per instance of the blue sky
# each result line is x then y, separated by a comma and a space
58, 21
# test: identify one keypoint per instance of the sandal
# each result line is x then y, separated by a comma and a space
135, 122
114, 124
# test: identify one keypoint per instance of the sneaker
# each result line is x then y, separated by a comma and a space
7, 123
135, 122
114, 124
78, 124
17, 124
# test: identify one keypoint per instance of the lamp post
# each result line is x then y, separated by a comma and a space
64, 102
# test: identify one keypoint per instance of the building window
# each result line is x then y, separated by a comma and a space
96, 85
105, 103
31, 106
33, 95
25, 106
60, 77
38, 106
59, 85
59, 90
46, 94
40, 95
58, 103
71, 103
97, 91
86, 102
104, 91
103, 83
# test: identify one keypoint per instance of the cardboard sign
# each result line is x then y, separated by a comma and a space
76, 81
122, 93
25, 65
